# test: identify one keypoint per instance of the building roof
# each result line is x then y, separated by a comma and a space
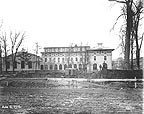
65, 47
20, 53
101, 49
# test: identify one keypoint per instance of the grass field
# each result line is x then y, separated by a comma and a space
68, 97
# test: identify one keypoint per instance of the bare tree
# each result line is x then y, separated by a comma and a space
4, 45
138, 10
16, 41
131, 11
1, 53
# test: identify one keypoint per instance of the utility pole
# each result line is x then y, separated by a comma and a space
37, 59
0, 60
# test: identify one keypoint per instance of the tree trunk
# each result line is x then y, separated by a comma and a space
138, 58
132, 54
6, 64
128, 34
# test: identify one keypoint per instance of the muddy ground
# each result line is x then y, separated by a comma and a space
67, 97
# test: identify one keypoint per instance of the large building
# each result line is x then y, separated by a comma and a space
24, 62
77, 57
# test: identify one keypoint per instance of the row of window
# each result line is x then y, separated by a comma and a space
63, 67
70, 49
63, 59
23, 63
68, 59
62, 54
105, 57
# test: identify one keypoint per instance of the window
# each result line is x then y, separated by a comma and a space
45, 59
41, 67
46, 67
54, 59
75, 66
94, 57
80, 66
65, 66
51, 67
55, 67
70, 66
58, 59
105, 57
76, 59
62, 59
49, 59
60, 67
22, 64
104, 65
95, 66
30, 64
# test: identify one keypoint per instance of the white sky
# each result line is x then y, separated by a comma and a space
62, 22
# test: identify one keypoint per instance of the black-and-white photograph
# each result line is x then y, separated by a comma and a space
71, 56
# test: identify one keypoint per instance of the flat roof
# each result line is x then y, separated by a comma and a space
100, 49
65, 47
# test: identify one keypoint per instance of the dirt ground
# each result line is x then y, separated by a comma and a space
67, 97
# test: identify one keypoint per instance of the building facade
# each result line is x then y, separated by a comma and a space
77, 57
24, 61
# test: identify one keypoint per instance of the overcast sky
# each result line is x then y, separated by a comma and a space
62, 22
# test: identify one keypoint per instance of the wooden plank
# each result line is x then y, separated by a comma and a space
79, 79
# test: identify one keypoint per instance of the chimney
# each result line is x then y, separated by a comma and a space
100, 45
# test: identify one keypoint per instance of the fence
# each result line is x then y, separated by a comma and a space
119, 74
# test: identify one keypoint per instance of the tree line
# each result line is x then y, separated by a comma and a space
131, 34
10, 43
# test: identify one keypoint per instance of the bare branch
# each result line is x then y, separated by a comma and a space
116, 22
141, 41
1, 24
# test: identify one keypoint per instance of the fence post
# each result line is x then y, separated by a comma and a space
135, 83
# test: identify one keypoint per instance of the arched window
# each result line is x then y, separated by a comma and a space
70, 66
95, 66
51, 67
80, 66
46, 67
60, 67
75, 66
55, 67
30, 64
65, 66
41, 67
22, 64
104, 65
